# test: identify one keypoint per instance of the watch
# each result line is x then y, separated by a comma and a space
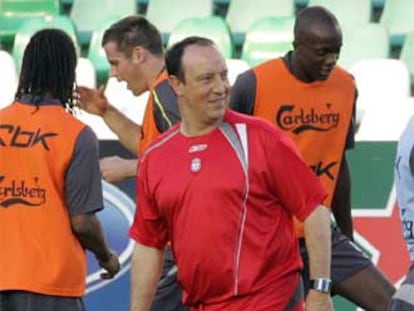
323, 285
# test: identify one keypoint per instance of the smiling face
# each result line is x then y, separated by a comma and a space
126, 68
204, 89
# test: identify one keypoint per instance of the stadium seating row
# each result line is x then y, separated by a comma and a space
384, 105
267, 38
240, 15
383, 83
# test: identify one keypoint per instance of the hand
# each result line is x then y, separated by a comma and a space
111, 265
92, 100
318, 301
115, 168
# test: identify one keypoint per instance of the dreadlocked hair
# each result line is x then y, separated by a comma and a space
48, 67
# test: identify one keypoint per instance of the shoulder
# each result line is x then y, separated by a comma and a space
247, 76
164, 91
163, 86
272, 65
257, 127
160, 144
87, 135
340, 73
407, 136
86, 143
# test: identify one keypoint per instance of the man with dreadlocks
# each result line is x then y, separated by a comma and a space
50, 186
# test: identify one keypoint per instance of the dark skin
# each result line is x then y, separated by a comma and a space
317, 44
88, 230
341, 202
316, 51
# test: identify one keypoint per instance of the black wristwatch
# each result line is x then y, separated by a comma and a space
323, 285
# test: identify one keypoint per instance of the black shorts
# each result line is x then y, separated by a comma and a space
403, 299
13, 300
169, 294
347, 259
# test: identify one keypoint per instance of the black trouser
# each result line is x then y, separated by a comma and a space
169, 293
13, 300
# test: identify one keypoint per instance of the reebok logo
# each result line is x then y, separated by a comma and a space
16, 136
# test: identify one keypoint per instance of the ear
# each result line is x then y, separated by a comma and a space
176, 85
139, 55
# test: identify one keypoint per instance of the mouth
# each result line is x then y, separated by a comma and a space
130, 89
221, 103
325, 72
219, 100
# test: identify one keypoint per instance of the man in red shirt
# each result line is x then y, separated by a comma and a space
213, 186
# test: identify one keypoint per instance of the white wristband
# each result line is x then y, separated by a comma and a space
323, 285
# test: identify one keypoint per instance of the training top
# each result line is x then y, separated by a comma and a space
317, 115
230, 227
48, 171
404, 182
161, 111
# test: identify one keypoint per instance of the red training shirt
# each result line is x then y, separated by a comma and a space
191, 191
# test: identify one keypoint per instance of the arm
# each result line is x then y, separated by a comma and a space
115, 168
95, 102
146, 268
243, 93
88, 231
83, 195
318, 243
341, 202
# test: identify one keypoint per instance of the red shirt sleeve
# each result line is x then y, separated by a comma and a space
298, 188
149, 227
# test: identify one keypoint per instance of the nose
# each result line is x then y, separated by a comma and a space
113, 72
221, 85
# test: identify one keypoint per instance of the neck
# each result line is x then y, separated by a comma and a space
192, 129
156, 65
294, 68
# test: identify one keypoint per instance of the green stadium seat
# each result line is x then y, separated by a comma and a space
166, 15
397, 16
31, 26
14, 12
67, 2
88, 15
213, 27
378, 4
268, 38
96, 54
222, 2
301, 3
355, 45
407, 54
242, 14
348, 11
142, 6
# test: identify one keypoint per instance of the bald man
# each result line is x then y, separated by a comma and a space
305, 94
